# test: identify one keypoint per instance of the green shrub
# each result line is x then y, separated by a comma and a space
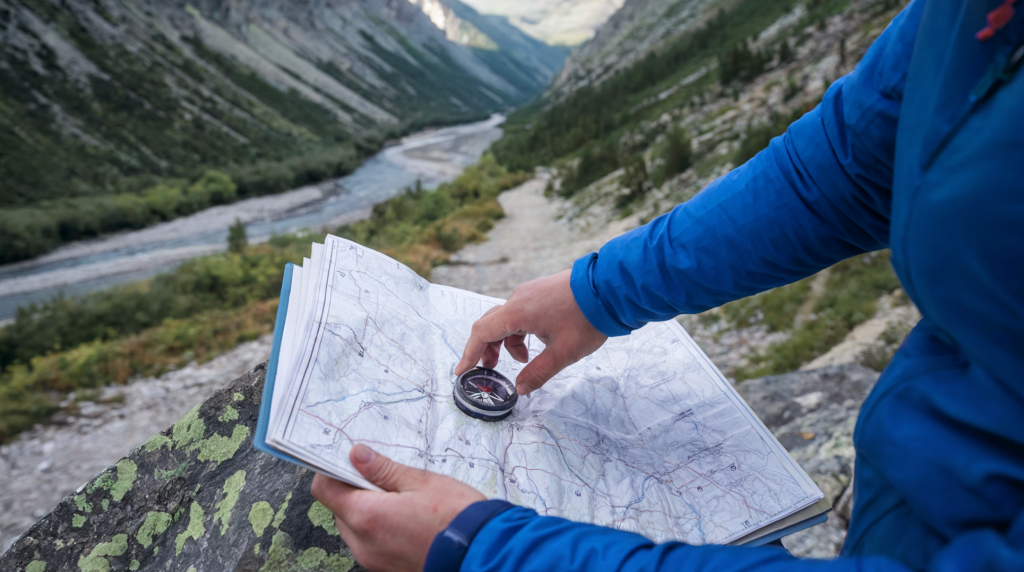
165, 201
25, 233
237, 239
677, 156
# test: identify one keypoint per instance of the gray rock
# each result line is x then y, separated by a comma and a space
196, 497
813, 413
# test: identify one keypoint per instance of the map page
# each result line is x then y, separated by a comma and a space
644, 435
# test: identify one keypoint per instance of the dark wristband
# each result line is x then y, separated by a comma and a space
451, 544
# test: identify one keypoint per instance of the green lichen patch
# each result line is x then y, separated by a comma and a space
81, 503
172, 474
103, 482
36, 566
219, 448
156, 524
189, 429
260, 516
279, 517
322, 516
230, 414
281, 557
157, 442
134, 565
311, 558
96, 560
77, 521
127, 471
232, 488
279, 554
256, 549
105, 503
238, 396
196, 529
59, 544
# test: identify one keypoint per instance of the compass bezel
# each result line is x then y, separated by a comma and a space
478, 410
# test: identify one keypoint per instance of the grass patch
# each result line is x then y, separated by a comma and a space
775, 308
853, 287
30, 392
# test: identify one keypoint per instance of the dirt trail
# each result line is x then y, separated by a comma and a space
529, 242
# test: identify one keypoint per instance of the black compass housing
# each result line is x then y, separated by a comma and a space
485, 394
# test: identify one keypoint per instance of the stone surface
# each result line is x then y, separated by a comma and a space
197, 497
47, 463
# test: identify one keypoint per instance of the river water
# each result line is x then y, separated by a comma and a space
432, 157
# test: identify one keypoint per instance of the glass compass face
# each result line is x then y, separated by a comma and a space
485, 394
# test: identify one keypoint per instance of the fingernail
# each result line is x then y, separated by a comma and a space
362, 454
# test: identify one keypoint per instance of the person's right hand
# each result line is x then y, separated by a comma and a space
546, 308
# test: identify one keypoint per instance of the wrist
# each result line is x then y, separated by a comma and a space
449, 547
589, 299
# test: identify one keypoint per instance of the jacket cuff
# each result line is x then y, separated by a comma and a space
589, 300
451, 544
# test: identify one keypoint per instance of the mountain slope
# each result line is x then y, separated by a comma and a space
525, 62
166, 88
629, 35
110, 98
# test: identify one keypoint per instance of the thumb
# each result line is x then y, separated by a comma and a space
538, 372
380, 470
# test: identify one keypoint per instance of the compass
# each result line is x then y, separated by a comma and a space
485, 394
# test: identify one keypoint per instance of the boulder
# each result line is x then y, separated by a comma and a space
197, 497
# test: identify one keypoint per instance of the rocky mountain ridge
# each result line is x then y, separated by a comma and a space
631, 32
562, 22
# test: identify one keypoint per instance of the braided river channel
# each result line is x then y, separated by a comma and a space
432, 157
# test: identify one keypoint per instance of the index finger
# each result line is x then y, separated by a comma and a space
491, 327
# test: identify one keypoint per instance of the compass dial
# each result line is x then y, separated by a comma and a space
485, 394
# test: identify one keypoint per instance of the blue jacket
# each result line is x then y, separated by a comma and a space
921, 150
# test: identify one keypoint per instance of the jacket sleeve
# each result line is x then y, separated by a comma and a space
519, 540
817, 195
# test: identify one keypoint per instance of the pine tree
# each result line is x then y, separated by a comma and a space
237, 239
677, 154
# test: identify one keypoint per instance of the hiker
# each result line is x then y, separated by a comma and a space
918, 150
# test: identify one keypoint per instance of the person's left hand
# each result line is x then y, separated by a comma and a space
392, 530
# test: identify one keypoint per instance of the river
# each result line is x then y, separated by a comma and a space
432, 156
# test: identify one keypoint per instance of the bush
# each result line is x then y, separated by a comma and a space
676, 156
25, 233
595, 162
635, 180
29, 393
237, 239
165, 201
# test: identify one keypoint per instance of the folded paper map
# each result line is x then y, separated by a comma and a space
644, 435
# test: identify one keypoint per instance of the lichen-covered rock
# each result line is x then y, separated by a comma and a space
196, 497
